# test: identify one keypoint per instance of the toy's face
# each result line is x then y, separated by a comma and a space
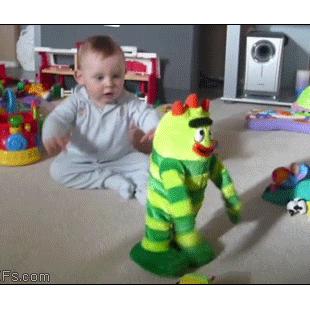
203, 145
185, 132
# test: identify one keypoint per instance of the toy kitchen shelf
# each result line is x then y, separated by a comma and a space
48, 64
143, 68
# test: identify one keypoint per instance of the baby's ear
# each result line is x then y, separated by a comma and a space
79, 77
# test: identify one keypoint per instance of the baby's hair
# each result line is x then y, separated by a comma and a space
100, 44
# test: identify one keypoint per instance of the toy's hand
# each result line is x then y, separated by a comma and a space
234, 212
55, 145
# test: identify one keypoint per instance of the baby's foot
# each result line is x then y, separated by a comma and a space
141, 196
118, 183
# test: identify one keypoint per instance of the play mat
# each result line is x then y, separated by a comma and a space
278, 120
297, 119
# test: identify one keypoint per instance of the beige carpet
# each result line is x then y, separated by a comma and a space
83, 236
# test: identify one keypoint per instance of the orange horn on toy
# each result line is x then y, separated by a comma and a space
205, 104
192, 101
178, 108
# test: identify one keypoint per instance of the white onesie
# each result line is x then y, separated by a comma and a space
100, 154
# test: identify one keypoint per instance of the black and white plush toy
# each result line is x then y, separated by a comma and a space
297, 206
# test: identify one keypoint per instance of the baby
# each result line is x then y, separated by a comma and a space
95, 131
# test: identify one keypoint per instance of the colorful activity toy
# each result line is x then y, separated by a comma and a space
298, 119
265, 120
19, 132
182, 162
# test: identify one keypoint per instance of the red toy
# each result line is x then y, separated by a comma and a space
7, 81
144, 68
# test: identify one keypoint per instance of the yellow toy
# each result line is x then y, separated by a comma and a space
195, 278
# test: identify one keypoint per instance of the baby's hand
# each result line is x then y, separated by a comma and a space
55, 145
148, 136
140, 140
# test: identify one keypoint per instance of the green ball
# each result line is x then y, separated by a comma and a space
21, 86
16, 120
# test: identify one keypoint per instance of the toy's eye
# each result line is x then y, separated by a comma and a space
199, 135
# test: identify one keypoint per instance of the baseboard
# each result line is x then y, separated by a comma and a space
9, 64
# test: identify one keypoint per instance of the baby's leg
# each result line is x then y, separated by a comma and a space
119, 183
134, 167
127, 175
76, 172
139, 175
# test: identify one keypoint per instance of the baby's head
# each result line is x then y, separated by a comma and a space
101, 69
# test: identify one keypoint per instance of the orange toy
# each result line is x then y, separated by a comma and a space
280, 175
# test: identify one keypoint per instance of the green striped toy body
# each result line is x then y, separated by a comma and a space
175, 195
182, 162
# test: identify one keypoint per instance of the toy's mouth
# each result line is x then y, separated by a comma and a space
202, 150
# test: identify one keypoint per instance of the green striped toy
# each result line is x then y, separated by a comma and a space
182, 162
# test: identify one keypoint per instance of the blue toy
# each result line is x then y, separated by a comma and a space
10, 99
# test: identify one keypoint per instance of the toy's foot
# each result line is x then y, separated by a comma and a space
200, 255
171, 263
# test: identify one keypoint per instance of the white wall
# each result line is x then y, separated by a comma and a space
8, 38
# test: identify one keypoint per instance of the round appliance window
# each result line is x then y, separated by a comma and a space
263, 51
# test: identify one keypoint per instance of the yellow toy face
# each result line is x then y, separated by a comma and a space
184, 133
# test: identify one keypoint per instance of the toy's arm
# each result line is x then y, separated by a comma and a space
221, 178
180, 206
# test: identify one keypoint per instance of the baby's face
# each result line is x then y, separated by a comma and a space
103, 77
